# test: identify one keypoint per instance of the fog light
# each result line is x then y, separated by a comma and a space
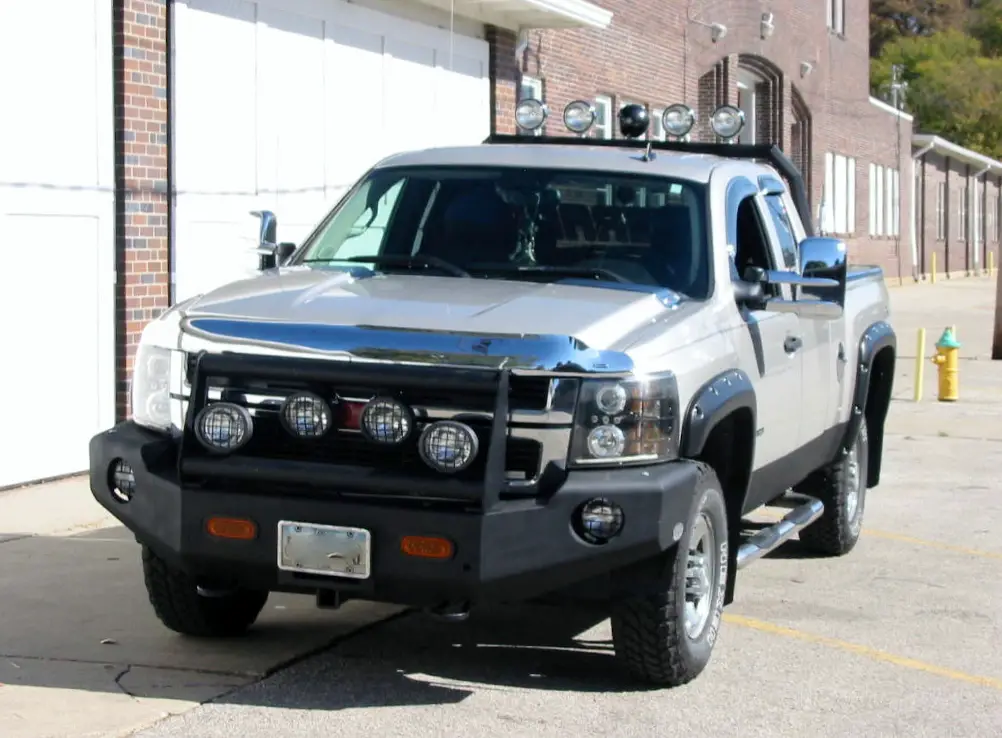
122, 481
223, 426
385, 420
306, 415
448, 446
599, 520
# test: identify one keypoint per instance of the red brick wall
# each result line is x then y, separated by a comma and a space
654, 53
141, 174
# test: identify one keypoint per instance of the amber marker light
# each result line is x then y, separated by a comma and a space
427, 547
237, 529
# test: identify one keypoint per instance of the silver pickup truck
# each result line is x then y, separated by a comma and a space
542, 368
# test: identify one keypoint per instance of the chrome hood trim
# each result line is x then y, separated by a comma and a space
523, 354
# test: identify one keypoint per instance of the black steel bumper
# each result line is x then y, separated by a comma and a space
520, 549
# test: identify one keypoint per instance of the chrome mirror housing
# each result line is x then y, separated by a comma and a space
825, 258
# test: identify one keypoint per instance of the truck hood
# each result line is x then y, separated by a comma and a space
601, 318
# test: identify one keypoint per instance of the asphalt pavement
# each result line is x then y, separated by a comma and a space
901, 637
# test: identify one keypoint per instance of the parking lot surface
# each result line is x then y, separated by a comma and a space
901, 637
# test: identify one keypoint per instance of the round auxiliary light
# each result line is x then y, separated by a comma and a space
123, 481
611, 399
448, 446
579, 116
606, 442
678, 120
599, 520
530, 114
634, 120
727, 121
223, 426
385, 420
306, 415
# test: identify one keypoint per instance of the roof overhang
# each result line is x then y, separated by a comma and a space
518, 15
926, 142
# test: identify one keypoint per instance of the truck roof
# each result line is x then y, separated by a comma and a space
683, 165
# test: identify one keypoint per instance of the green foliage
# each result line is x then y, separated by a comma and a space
952, 71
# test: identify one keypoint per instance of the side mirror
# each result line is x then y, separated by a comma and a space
267, 246
819, 289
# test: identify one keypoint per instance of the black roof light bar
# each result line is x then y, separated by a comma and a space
677, 120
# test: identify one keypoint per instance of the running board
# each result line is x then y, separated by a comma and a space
771, 538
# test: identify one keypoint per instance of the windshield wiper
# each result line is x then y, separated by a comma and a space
570, 271
401, 260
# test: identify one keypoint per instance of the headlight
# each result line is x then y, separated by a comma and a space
629, 421
151, 387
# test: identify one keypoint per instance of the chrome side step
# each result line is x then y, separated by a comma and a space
771, 538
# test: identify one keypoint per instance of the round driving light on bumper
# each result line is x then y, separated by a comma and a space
306, 415
579, 116
530, 115
385, 420
727, 121
598, 521
122, 481
678, 120
606, 441
448, 446
223, 427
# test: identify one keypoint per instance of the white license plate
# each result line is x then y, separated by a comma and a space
329, 550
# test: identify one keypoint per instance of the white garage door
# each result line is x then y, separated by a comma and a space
281, 104
57, 221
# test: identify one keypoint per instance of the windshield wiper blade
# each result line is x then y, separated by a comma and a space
570, 271
401, 260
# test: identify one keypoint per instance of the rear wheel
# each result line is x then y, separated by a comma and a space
184, 606
667, 638
842, 488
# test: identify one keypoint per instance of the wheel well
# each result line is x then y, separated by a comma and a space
878, 400
729, 450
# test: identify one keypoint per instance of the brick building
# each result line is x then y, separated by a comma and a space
148, 130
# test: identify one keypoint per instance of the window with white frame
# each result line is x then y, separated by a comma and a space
893, 213
835, 10
531, 88
962, 213
839, 209
940, 211
603, 117
885, 201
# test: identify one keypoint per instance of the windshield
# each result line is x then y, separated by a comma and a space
507, 223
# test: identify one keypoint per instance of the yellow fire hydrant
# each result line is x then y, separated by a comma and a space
947, 361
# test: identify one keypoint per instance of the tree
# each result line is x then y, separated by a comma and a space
894, 19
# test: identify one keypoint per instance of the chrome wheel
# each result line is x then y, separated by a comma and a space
855, 488
700, 576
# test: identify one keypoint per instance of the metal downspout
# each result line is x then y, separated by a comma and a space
913, 212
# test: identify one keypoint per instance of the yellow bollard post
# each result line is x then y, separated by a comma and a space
920, 365
947, 360
932, 273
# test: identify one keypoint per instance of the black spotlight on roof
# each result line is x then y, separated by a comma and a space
633, 120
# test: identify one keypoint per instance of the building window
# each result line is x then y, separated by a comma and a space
603, 117
962, 214
940, 211
839, 209
893, 216
836, 15
531, 88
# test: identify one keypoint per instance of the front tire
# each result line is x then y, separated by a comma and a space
841, 486
667, 638
186, 608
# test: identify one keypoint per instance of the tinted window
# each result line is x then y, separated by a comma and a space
506, 223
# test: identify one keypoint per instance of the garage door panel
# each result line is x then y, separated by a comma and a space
48, 135
63, 336
410, 87
215, 116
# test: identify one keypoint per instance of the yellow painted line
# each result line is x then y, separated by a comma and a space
861, 650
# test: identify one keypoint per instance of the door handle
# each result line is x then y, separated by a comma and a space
792, 344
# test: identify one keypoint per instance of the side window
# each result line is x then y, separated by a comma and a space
747, 232
784, 230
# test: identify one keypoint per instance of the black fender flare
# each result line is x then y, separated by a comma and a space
877, 337
711, 403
